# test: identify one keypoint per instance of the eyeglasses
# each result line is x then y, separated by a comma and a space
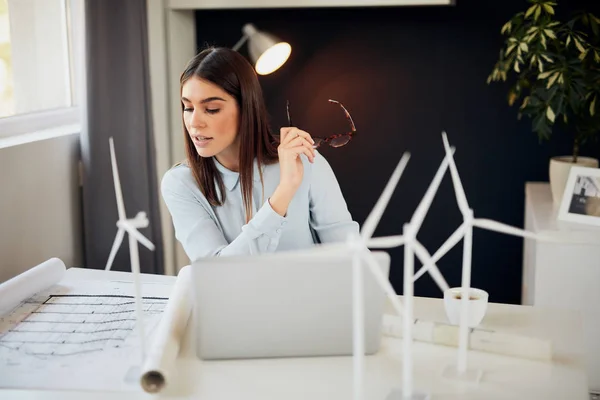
337, 140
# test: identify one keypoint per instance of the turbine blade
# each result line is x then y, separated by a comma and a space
117, 181
373, 219
435, 273
444, 248
136, 234
385, 242
461, 198
115, 248
383, 282
503, 228
421, 211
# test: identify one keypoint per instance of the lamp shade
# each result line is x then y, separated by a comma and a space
267, 52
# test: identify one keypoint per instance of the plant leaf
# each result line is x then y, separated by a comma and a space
538, 11
594, 26
579, 46
544, 42
549, 9
510, 48
547, 58
540, 65
512, 96
523, 46
544, 75
532, 60
517, 67
593, 106
568, 41
530, 10
550, 114
506, 27
550, 33
552, 80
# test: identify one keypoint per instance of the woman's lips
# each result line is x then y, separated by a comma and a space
202, 142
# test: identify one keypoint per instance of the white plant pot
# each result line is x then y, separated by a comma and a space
559, 173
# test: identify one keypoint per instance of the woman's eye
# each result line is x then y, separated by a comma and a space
188, 109
212, 110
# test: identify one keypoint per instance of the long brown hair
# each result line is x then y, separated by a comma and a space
234, 74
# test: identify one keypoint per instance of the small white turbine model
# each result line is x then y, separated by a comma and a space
131, 226
465, 232
359, 247
413, 247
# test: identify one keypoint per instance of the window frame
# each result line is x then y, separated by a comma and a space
45, 124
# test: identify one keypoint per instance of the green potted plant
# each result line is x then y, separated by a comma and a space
554, 71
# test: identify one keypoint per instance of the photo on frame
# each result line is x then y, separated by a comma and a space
581, 199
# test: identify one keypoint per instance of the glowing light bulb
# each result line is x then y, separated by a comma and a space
273, 58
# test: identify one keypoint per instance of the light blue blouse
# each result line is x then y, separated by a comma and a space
317, 207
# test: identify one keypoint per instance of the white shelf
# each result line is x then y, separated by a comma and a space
563, 275
225, 4
544, 217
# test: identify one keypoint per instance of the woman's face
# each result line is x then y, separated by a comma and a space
211, 117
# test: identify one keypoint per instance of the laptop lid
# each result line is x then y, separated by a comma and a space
282, 305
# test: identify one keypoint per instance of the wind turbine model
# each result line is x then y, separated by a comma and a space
131, 226
465, 232
359, 246
413, 247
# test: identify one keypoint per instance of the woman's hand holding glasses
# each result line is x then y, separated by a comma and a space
294, 142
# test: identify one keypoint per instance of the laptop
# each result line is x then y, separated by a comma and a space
288, 304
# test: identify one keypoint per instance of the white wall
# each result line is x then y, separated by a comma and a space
40, 205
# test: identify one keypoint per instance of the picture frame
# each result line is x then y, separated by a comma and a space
581, 198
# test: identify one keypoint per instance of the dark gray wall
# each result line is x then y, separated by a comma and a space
406, 74
118, 105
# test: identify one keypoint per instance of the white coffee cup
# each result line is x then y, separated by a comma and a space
478, 300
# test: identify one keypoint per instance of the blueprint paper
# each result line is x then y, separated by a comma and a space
25, 285
78, 335
160, 360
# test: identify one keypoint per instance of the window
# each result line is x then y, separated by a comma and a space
7, 104
38, 79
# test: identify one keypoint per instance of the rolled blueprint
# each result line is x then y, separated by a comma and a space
161, 356
23, 286
480, 339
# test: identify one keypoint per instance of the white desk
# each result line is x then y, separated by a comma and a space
564, 276
331, 377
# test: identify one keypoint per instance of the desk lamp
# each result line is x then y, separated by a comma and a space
267, 52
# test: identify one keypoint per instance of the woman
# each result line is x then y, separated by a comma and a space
238, 193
